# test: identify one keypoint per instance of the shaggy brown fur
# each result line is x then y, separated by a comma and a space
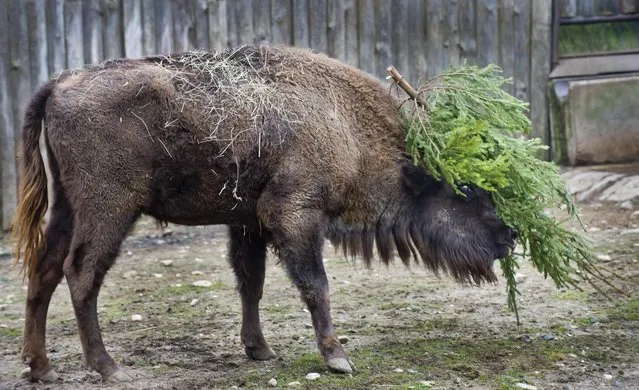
283, 145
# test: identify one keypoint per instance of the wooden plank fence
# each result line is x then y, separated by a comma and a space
420, 37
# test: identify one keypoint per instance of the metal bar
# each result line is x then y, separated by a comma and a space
598, 19
599, 54
554, 44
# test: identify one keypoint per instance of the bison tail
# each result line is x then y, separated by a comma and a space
26, 226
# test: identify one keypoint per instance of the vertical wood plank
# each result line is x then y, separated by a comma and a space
416, 39
487, 32
350, 33
55, 36
244, 20
383, 50
282, 22
74, 33
201, 17
336, 33
132, 23
452, 34
586, 7
318, 25
231, 22
629, 6
20, 89
36, 16
366, 28
467, 31
183, 25
507, 41
521, 22
8, 179
262, 21
112, 36
539, 69
567, 8
607, 7
399, 12
218, 28
301, 33
435, 42
164, 26
92, 20
149, 41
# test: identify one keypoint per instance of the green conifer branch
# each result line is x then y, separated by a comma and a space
467, 129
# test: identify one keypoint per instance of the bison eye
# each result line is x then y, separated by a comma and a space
468, 191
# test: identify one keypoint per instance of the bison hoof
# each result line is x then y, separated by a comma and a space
339, 365
260, 353
118, 376
48, 376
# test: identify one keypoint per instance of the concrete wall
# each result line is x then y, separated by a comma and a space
595, 121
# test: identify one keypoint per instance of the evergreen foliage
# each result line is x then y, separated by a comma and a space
472, 131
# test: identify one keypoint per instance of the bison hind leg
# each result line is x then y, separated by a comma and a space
42, 284
94, 247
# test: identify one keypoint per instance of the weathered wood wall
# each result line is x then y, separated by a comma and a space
420, 37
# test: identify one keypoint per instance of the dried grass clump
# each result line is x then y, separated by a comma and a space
228, 87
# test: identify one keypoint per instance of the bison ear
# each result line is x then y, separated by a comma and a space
416, 179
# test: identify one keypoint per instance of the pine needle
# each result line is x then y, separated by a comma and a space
469, 130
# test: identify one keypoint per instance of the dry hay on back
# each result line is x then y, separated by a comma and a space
232, 86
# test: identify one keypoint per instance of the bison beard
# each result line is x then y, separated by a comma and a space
283, 145
413, 238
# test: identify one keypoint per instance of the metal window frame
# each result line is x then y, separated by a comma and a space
558, 21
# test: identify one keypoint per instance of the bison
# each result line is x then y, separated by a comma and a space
285, 146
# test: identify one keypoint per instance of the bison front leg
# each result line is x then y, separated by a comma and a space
248, 256
298, 237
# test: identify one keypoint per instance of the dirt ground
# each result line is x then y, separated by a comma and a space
404, 328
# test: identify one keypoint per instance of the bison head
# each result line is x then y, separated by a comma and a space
458, 231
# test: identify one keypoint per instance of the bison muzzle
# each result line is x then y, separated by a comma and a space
284, 146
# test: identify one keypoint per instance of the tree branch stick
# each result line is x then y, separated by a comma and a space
397, 77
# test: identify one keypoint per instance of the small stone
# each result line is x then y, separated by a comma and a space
525, 386
130, 274
158, 275
608, 377
526, 339
166, 263
399, 370
197, 273
627, 205
272, 382
603, 257
311, 376
294, 384
635, 214
202, 283
194, 301
548, 337
519, 277
308, 326
342, 339
594, 229
411, 371
136, 317
427, 383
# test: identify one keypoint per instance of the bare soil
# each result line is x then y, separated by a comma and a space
405, 328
